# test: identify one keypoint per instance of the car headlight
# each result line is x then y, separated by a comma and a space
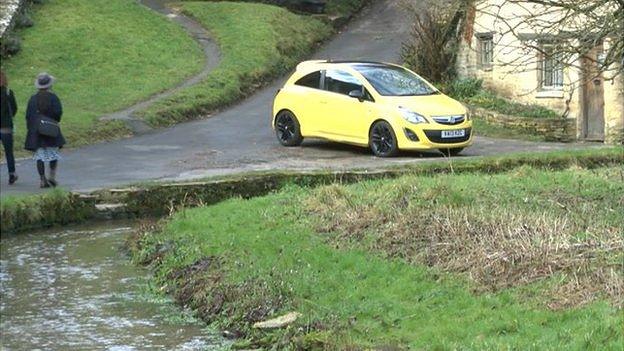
412, 116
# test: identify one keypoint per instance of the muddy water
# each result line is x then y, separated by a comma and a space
77, 290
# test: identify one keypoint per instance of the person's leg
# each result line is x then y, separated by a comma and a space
7, 143
52, 177
41, 171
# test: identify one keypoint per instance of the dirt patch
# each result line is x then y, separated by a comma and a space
497, 246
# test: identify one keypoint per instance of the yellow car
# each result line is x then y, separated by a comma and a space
380, 105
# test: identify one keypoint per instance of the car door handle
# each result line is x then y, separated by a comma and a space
323, 102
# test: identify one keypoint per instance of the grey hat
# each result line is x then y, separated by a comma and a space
44, 81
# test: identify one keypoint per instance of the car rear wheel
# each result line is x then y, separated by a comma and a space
452, 151
287, 129
382, 140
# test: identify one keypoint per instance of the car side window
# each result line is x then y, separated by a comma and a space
312, 80
341, 82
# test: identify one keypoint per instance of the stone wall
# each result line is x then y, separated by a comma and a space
560, 129
8, 11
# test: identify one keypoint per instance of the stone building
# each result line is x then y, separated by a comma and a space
504, 49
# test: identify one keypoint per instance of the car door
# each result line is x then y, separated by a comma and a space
344, 117
305, 102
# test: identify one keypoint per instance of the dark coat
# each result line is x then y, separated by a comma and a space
50, 107
8, 107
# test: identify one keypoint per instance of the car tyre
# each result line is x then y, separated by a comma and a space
454, 151
382, 140
287, 129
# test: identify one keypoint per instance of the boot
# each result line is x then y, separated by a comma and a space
52, 177
44, 183
12, 178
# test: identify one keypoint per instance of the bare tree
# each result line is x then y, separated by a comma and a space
569, 31
436, 31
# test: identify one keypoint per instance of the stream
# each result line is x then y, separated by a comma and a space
76, 289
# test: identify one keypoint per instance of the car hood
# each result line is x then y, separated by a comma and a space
428, 105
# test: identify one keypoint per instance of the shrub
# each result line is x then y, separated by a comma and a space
432, 48
464, 88
10, 45
24, 20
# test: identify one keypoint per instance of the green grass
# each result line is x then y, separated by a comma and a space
484, 128
471, 91
328, 254
489, 100
106, 55
55, 207
257, 43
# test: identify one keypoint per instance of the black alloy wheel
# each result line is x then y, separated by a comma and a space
287, 129
454, 151
382, 140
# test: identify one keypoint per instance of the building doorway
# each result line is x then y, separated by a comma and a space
592, 85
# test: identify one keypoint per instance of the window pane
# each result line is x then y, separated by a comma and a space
341, 82
552, 69
486, 51
312, 80
548, 72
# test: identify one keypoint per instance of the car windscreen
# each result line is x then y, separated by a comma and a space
395, 81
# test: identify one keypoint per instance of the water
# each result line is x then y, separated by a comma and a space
77, 290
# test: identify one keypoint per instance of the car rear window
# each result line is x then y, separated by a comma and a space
312, 80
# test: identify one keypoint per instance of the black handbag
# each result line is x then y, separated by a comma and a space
48, 127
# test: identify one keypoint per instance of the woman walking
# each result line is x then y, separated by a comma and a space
44, 138
8, 109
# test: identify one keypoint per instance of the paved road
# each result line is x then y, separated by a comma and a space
240, 139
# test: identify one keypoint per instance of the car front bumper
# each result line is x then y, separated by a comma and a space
415, 137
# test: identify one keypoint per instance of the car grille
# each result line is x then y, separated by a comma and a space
435, 136
449, 120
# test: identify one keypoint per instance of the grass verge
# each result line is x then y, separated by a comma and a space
56, 207
468, 261
483, 128
257, 43
106, 55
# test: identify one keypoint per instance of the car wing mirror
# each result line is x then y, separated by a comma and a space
357, 94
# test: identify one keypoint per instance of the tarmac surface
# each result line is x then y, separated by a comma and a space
240, 138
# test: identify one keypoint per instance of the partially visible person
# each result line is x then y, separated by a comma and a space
44, 137
8, 109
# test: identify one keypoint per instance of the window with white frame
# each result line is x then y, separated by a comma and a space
486, 49
551, 69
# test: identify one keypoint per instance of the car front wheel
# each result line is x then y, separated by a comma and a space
382, 140
287, 129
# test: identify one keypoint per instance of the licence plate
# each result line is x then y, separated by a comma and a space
458, 133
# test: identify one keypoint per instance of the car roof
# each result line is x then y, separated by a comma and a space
317, 64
